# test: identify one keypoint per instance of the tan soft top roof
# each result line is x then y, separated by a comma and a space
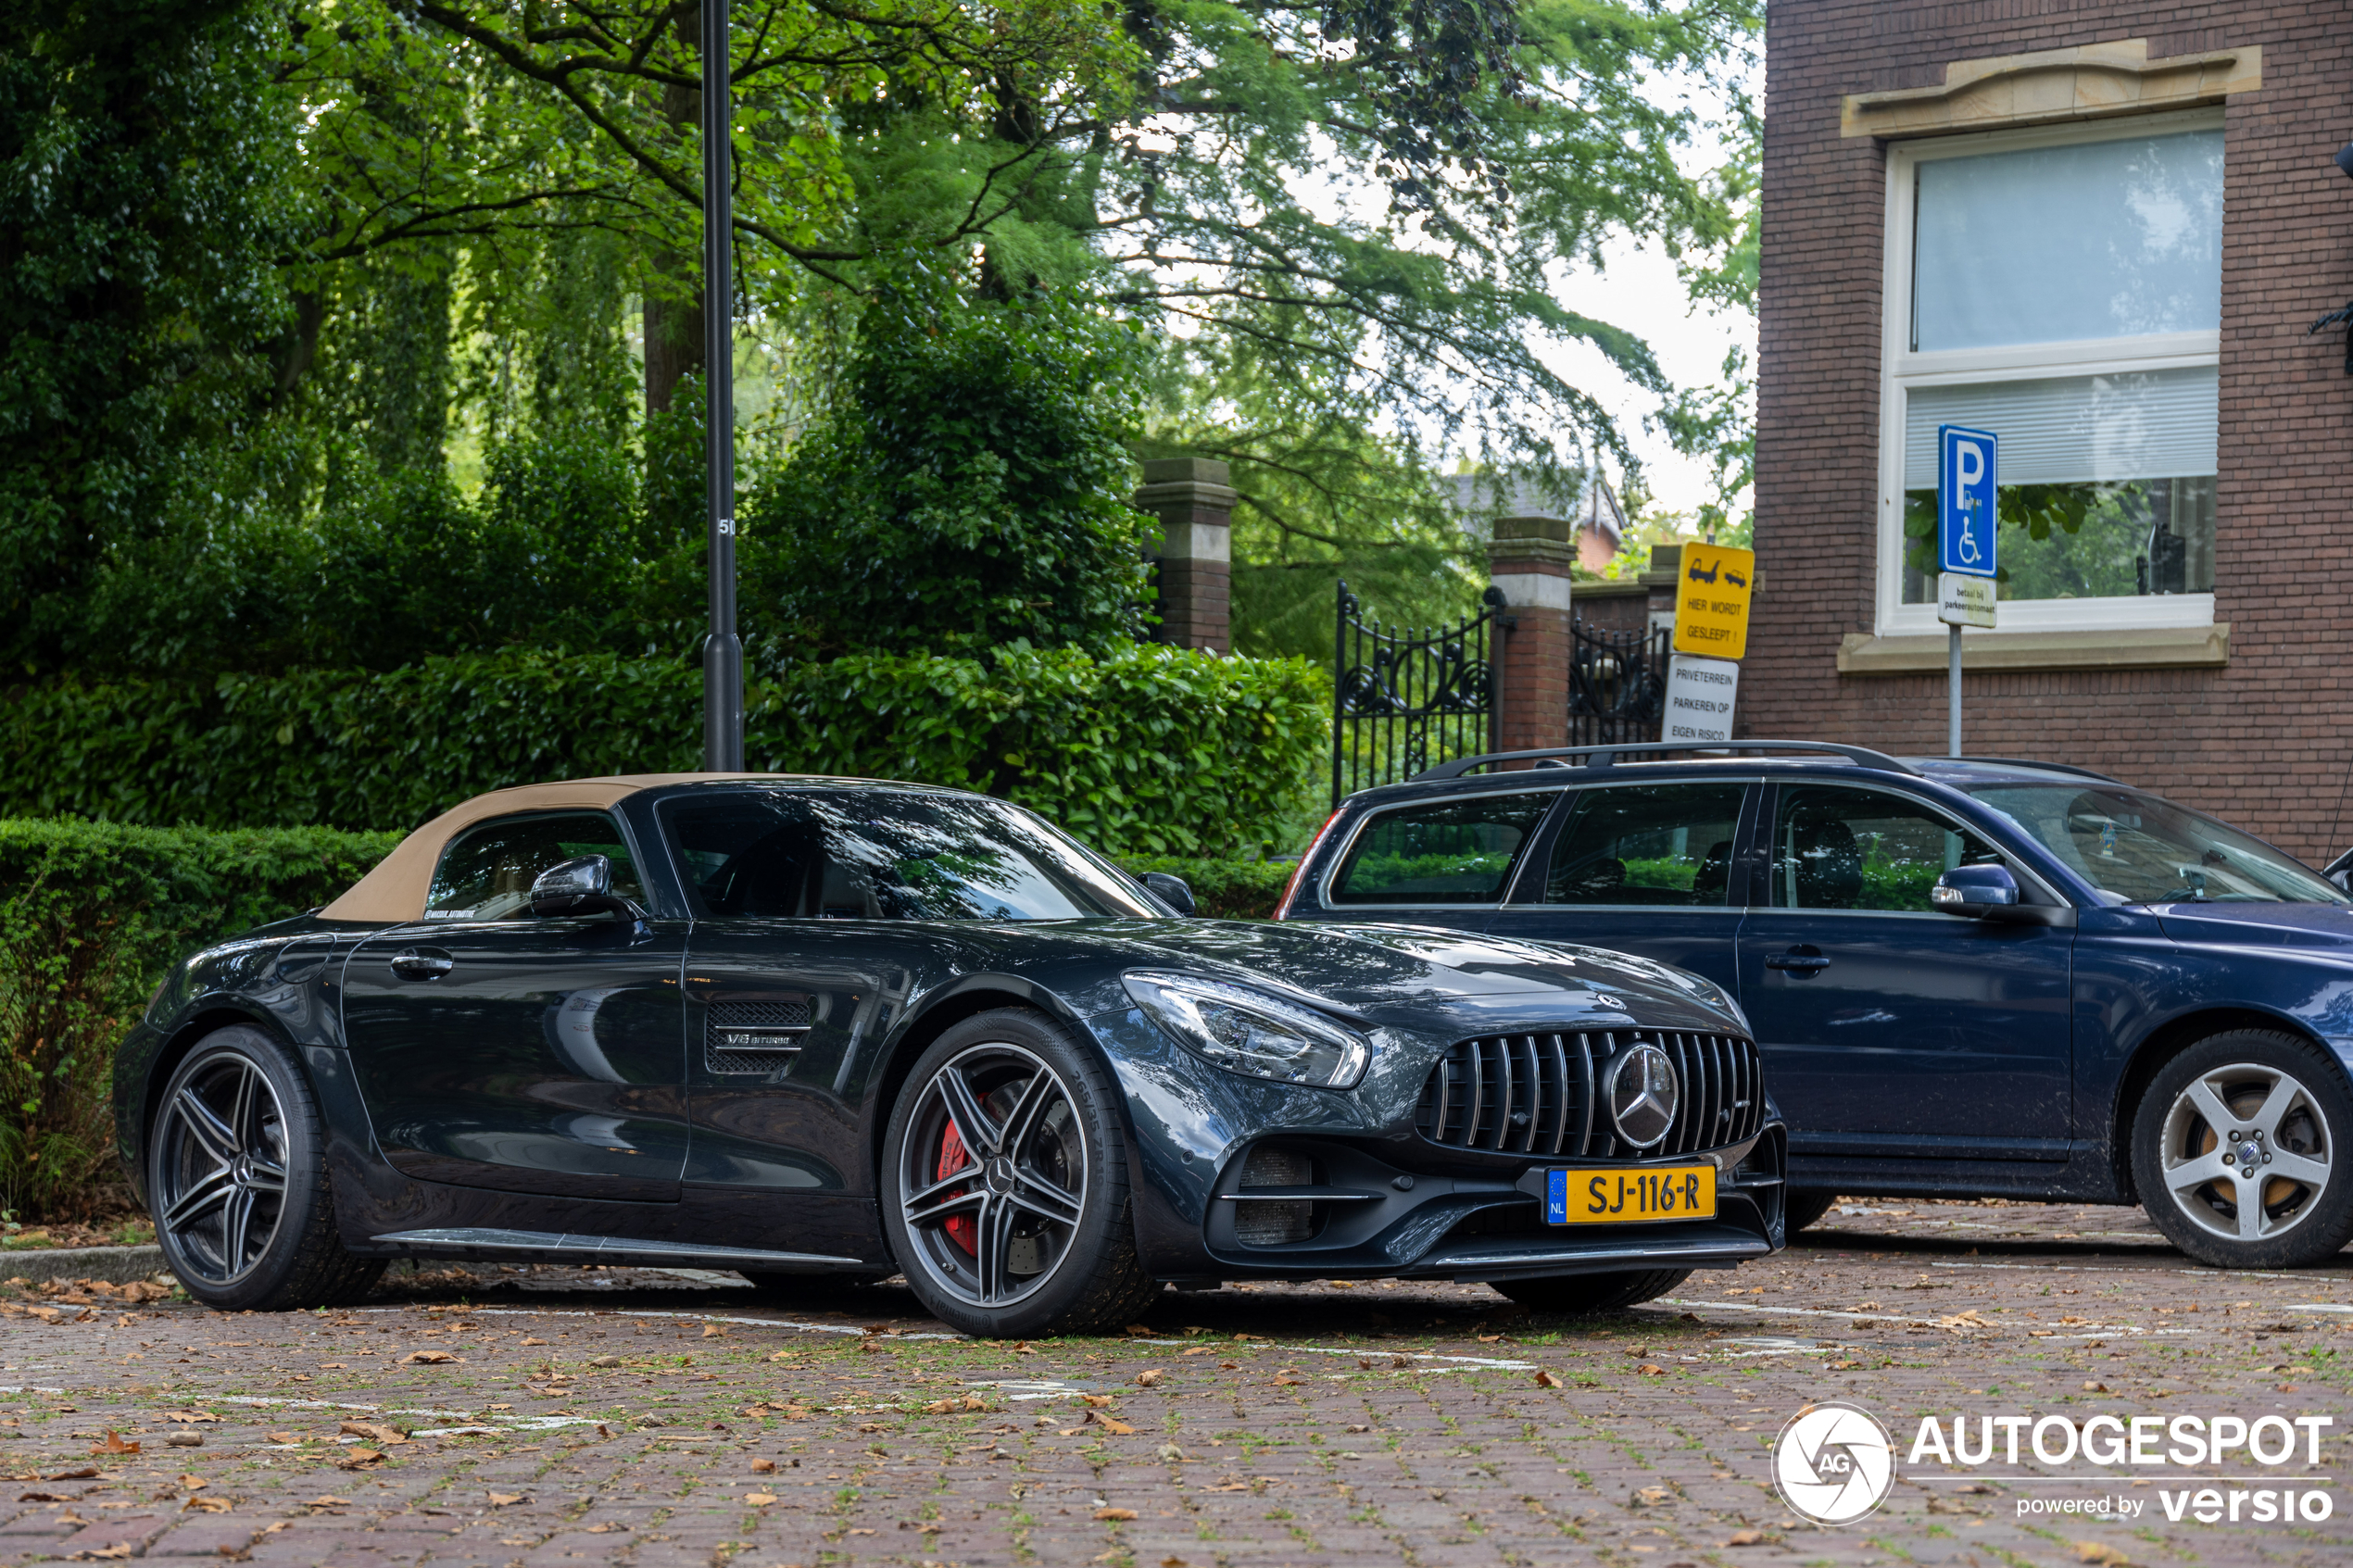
397, 889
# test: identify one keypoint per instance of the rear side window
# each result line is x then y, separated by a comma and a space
1647, 843
487, 873
1446, 852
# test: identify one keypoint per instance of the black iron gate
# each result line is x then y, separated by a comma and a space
1405, 701
1617, 685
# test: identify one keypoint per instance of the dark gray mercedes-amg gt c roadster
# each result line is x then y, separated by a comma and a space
821, 1029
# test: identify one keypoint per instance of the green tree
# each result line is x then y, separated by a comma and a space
967, 491
147, 162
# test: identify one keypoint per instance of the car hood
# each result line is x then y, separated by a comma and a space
1426, 977
2254, 924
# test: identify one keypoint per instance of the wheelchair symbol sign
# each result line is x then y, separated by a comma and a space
1966, 483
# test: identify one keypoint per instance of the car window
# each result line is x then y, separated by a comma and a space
885, 854
1837, 848
1647, 843
1455, 852
2145, 850
486, 872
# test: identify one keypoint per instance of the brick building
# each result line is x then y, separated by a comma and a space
2100, 229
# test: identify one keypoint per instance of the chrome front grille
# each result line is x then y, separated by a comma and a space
1539, 1094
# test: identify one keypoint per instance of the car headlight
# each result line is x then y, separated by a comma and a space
1246, 1030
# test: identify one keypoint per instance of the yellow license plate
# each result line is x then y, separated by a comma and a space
1614, 1197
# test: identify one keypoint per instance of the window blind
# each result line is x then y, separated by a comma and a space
2114, 238
2143, 424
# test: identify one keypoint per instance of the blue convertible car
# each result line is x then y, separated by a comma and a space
1968, 977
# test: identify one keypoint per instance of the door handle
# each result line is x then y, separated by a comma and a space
1799, 961
414, 965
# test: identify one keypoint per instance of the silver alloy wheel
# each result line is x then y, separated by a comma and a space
220, 1170
2247, 1152
993, 1175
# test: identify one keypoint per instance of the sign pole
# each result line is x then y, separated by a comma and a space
722, 653
1953, 695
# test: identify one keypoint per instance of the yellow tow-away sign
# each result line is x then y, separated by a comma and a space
1711, 600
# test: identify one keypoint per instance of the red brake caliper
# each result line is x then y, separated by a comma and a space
960, 1228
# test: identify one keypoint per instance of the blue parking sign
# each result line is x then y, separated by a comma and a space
1965, 499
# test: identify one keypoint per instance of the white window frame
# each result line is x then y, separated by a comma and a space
1902, 369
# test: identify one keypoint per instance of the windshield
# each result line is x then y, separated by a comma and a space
2144, 850
885, 854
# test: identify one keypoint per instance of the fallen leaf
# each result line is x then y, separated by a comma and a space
1652, 1497
114, 1445
534, 1341
1650, 1369
1115, 1513
763, 1466
711, 1331
2100, 1553
1174, 1563
1146, 1379
328, 1502
504, 1499
208, 1505
426, 1357
85, 1473
194, 1482
1098, 1401
119, 1549
1489, 1338
187, 1416
1748, 1538
760, 1500
605, 1530
358, 1459
1116, 1427
46, 1497
1546, 1379
2091, 1387
389, 1436
285, 1436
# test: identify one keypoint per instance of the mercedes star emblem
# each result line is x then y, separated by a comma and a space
1643, 1094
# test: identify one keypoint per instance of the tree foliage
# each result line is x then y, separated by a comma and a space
145, 166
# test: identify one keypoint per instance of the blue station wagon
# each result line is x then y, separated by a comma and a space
1968, 977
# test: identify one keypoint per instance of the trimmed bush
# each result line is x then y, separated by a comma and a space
91, 915
1148, 750
1224, 889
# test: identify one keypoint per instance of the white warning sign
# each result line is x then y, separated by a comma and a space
1699, 699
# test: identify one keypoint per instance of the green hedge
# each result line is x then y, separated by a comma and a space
91, 915
1222, 889
1149, 750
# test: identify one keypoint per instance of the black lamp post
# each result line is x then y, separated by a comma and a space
722, 653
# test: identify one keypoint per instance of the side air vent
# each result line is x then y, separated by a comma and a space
1539, 1094
753, 1036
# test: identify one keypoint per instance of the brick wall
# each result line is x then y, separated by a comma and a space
2266, 742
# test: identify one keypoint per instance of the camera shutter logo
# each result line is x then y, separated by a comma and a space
1642, 1094
1833, 1464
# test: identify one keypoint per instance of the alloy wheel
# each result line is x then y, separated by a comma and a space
221, 1172
994, 1176
2247, 1152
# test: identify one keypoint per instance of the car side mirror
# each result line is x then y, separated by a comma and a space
1974, 892
1172, 890
579, 886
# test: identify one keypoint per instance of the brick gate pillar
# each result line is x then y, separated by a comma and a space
1528, 561
1194, 500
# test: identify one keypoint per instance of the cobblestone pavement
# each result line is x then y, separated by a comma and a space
552, 1418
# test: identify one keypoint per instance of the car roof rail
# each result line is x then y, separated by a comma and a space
2030, 762
1604, 756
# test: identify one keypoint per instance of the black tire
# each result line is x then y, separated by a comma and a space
2282, 1099
237, 1140
1592, 1293
1803, 1209
1032, 1257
